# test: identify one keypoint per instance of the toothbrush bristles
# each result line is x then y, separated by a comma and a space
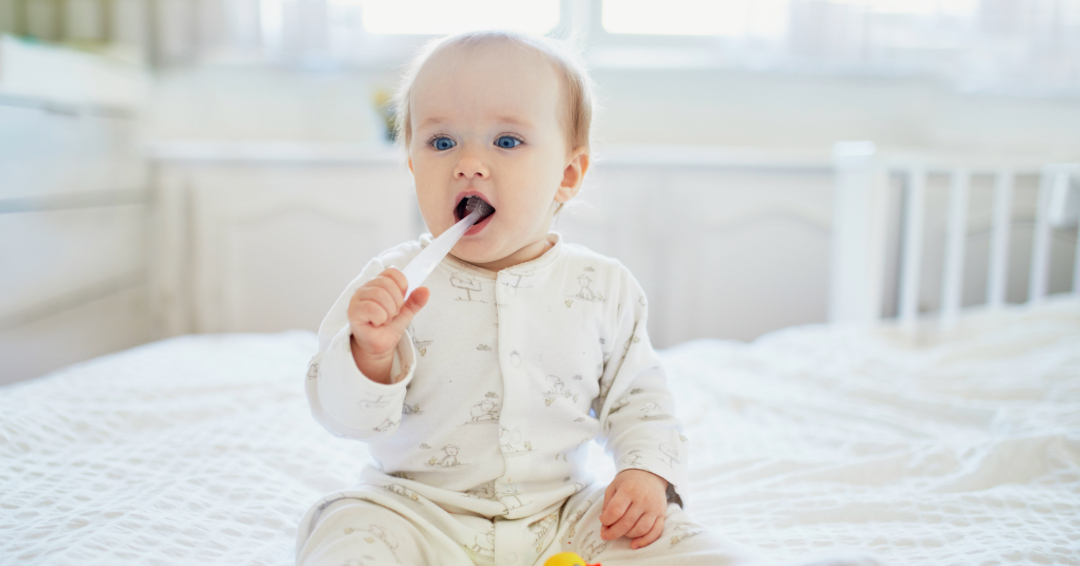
475, 203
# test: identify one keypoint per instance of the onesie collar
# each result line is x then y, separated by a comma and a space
546, 259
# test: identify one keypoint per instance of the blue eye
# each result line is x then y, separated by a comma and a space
442, 144
507, 142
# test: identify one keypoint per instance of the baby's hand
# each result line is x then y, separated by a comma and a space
378, 316
635, 505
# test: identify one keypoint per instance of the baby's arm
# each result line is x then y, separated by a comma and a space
356, 383
637, 416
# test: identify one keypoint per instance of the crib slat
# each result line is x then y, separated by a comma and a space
857, 262
956, 235
1069, 172
1076, 268
1040, 253
999, 238
913, 242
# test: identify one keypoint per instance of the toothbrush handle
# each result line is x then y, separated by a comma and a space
423, 264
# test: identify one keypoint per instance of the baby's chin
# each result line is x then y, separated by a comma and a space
501, 256
474, 253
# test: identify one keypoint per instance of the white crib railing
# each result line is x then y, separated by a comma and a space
858, 263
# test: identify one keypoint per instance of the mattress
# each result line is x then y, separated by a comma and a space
924, 448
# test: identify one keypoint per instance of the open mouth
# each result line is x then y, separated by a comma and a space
461, 210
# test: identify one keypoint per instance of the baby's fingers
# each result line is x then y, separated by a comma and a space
615, 505
643, 526
650, 537
395, 275
623, 525
373, 304
391, 281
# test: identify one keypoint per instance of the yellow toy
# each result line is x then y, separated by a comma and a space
567, 559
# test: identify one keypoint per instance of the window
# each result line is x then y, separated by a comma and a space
433, 17
1007, 46
731, 18
1029, 47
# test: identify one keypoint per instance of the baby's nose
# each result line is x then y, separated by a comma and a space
469, 167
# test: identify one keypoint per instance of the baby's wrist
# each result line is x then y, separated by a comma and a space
647, 476
375, 368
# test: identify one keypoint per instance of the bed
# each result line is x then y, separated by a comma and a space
200, 449
947, 439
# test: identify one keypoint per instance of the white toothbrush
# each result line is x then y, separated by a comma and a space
423, 264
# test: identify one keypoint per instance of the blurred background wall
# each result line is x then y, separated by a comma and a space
177, 166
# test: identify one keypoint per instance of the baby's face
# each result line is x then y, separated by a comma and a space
487, 121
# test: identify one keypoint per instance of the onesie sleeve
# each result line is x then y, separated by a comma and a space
636, 410
342, 399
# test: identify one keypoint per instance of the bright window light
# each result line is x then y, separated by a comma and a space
763, 18
920, 7
433, 17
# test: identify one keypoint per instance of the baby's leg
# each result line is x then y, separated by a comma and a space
356, 532
683, 542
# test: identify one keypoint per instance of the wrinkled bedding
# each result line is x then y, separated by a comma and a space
932, 448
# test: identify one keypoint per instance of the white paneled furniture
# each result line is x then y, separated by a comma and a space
74, 207
73, 231
263, 236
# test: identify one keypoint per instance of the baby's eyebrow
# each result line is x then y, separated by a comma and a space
430, 122
513, 120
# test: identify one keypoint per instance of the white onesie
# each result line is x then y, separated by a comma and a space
503, 380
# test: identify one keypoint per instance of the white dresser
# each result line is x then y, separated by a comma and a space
74, 209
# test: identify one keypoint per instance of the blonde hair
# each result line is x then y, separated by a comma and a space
577, 85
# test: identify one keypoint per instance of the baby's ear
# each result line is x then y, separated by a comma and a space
573, 175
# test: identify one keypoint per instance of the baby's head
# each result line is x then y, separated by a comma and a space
502, 116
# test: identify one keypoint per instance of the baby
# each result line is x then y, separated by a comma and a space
478, 394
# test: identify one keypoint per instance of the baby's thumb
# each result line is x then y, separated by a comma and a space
413, 304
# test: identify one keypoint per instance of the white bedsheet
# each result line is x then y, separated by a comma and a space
200, 450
